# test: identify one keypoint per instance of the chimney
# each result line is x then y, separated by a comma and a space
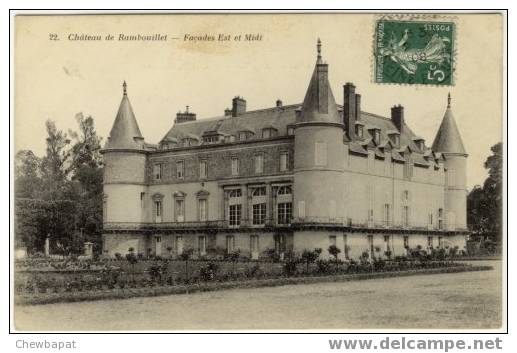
238, 106
397, 117
349, 109
278, 103
358, 107
227, 112
185, 116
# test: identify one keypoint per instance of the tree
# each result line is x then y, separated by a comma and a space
54, 165
310, 256
484, 204
27, 175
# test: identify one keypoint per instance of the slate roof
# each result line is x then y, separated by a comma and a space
125, 133
282, 117
448, 138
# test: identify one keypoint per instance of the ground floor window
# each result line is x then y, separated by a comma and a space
332, 240
202, 245
345, 242
430, 242
254, 246
440, 242
230, 244
235, 215
285, 212
387, 242
158, 245
179, 245
406, 241
259, 213
280, 243
370, 245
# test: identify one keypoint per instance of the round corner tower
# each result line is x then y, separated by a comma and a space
124, 180
318, 152
448, 142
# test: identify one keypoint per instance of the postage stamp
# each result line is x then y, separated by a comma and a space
414, 52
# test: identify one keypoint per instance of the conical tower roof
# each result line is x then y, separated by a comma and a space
319, 104
125, 132
448, 138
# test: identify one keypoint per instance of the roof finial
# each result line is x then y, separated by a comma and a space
318, 46
449, 100
124, 88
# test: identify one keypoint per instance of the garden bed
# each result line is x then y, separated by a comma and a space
157, 290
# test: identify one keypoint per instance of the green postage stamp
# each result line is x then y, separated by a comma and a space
414, 52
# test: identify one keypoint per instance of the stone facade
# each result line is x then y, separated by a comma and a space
286, 178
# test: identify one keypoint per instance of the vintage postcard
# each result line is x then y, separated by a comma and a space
303, 171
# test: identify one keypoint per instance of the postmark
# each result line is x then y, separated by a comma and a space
417, 52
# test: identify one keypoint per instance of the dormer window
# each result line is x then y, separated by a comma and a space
359, 131
268, 132
211, 139
376, 135
395, 138
420, 143
290, 131
243, 136
188, 141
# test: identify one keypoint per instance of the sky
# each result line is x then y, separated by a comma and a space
56, 79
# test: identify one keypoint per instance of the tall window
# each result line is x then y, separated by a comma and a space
235, 215
180, 172
332, 240
320, 153
203, 169
440, 218
203, 211
430, 242
142, 200
230, 244
301, 209
440, 242
284, 156
235, 166
158, 210
285, 212
105, 208
259, 163
202, 245
430, 219
405, 216
259, 213
387, 214
179, 206
157, 172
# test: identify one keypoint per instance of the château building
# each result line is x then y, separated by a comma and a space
286, 178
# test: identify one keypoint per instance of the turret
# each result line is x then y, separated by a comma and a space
448, 142
318, 152
124, 170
